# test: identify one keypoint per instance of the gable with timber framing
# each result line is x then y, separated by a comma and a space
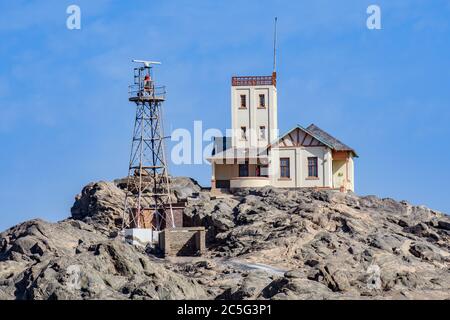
298, 137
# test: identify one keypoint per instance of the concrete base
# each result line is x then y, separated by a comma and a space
141, 237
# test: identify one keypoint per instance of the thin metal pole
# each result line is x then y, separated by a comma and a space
275, 46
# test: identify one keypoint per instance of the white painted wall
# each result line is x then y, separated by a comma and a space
351, 174
253, 117
328, 168
255, 182
318, 152
274, 167
298, 161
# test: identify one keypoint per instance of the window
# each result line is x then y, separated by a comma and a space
262, 132
284, 168
243, 101
243, 170
262, 171
262, 101
243, 133
312, 167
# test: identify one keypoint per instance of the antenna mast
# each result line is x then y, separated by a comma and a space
275, 46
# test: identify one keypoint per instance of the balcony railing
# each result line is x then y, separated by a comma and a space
138, 92
254, 81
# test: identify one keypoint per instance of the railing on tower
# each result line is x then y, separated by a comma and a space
136, 90
254, 81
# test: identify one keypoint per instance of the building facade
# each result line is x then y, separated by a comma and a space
256, 155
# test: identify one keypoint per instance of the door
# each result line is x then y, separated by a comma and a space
338, 173
223, 184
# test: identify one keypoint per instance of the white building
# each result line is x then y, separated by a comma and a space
256, 156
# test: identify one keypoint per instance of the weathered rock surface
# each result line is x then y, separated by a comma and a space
340, 245
101, 203
262, 244
70, 260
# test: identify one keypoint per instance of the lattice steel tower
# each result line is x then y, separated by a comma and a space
147, 202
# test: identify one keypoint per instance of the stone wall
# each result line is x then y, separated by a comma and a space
182, 241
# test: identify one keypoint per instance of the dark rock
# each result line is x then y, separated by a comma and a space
207, 264
295, 274
424, 252
311, 263
37, 249
419, 229
249, 288
3, 244
444, 224
294, 288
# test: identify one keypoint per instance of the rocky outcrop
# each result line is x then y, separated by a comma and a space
70, 260
339, 245
262, 244
101, 204
216, 215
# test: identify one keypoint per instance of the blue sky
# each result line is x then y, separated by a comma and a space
65, 120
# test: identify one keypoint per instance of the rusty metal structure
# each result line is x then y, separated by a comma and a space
255, 80
147, 203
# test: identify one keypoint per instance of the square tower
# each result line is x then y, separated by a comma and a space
254, 110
